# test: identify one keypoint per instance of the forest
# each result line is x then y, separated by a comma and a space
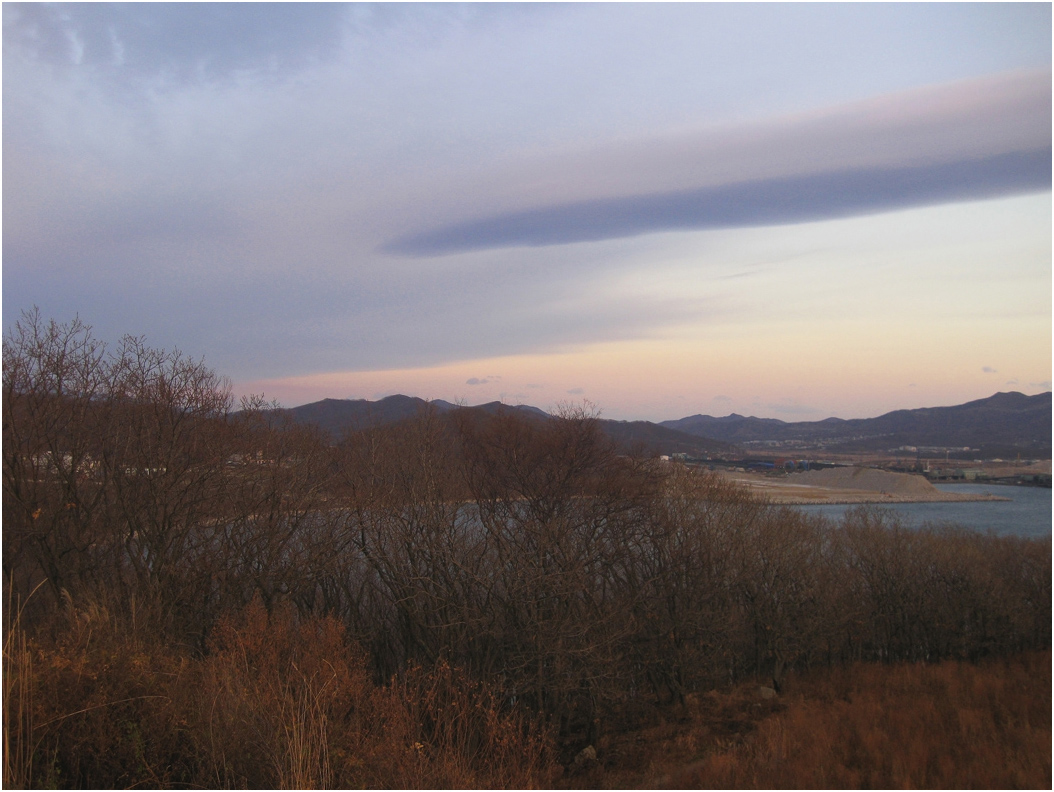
200, 592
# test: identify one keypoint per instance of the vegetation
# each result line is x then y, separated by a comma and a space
949, 725
204, 596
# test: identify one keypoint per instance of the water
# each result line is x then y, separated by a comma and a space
1027, 513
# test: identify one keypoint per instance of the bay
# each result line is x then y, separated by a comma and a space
1027, 512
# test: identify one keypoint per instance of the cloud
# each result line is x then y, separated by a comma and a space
482, 381
174, 41
796, 199
576, 391
219, 178
988, 370
971, 139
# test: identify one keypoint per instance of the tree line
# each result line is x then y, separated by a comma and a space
531, 554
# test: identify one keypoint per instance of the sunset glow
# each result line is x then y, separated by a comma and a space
790, 211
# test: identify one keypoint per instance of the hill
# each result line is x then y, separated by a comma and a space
1004, 424
336, 416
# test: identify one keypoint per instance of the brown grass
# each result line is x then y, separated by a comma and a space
280, 702
946, 726
18, 705
276, 703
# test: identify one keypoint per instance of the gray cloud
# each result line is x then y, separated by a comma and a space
575, 190
220, 177
794, 199
576, 391
988, 370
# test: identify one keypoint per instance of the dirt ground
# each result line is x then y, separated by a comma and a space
846, 485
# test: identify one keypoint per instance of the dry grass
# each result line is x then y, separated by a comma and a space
280, 702
946, 726
276, 703
18, 706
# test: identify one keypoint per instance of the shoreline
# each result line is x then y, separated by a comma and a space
872, 499
904, 490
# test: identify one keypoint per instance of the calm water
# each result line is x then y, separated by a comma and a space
1027, 513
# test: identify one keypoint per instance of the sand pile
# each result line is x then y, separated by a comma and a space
848, 485
905, 485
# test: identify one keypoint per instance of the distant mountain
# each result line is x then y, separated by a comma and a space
338, 415
1000, 425
335, 416
653, 439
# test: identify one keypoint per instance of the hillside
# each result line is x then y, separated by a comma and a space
656, 439
336, 416
1001, 425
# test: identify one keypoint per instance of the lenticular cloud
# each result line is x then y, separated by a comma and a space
795, 199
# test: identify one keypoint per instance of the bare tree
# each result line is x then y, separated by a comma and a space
53, 376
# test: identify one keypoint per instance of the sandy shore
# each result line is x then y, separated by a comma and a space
848, 486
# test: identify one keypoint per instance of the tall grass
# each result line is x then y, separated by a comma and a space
303, 756
18, 709
277, 702
282, 702
952, 725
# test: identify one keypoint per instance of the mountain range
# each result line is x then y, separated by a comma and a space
1004, 424
1001, 425
335, 416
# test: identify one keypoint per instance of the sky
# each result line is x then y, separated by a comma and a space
781, 210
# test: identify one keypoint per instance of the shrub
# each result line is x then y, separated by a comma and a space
946, 726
